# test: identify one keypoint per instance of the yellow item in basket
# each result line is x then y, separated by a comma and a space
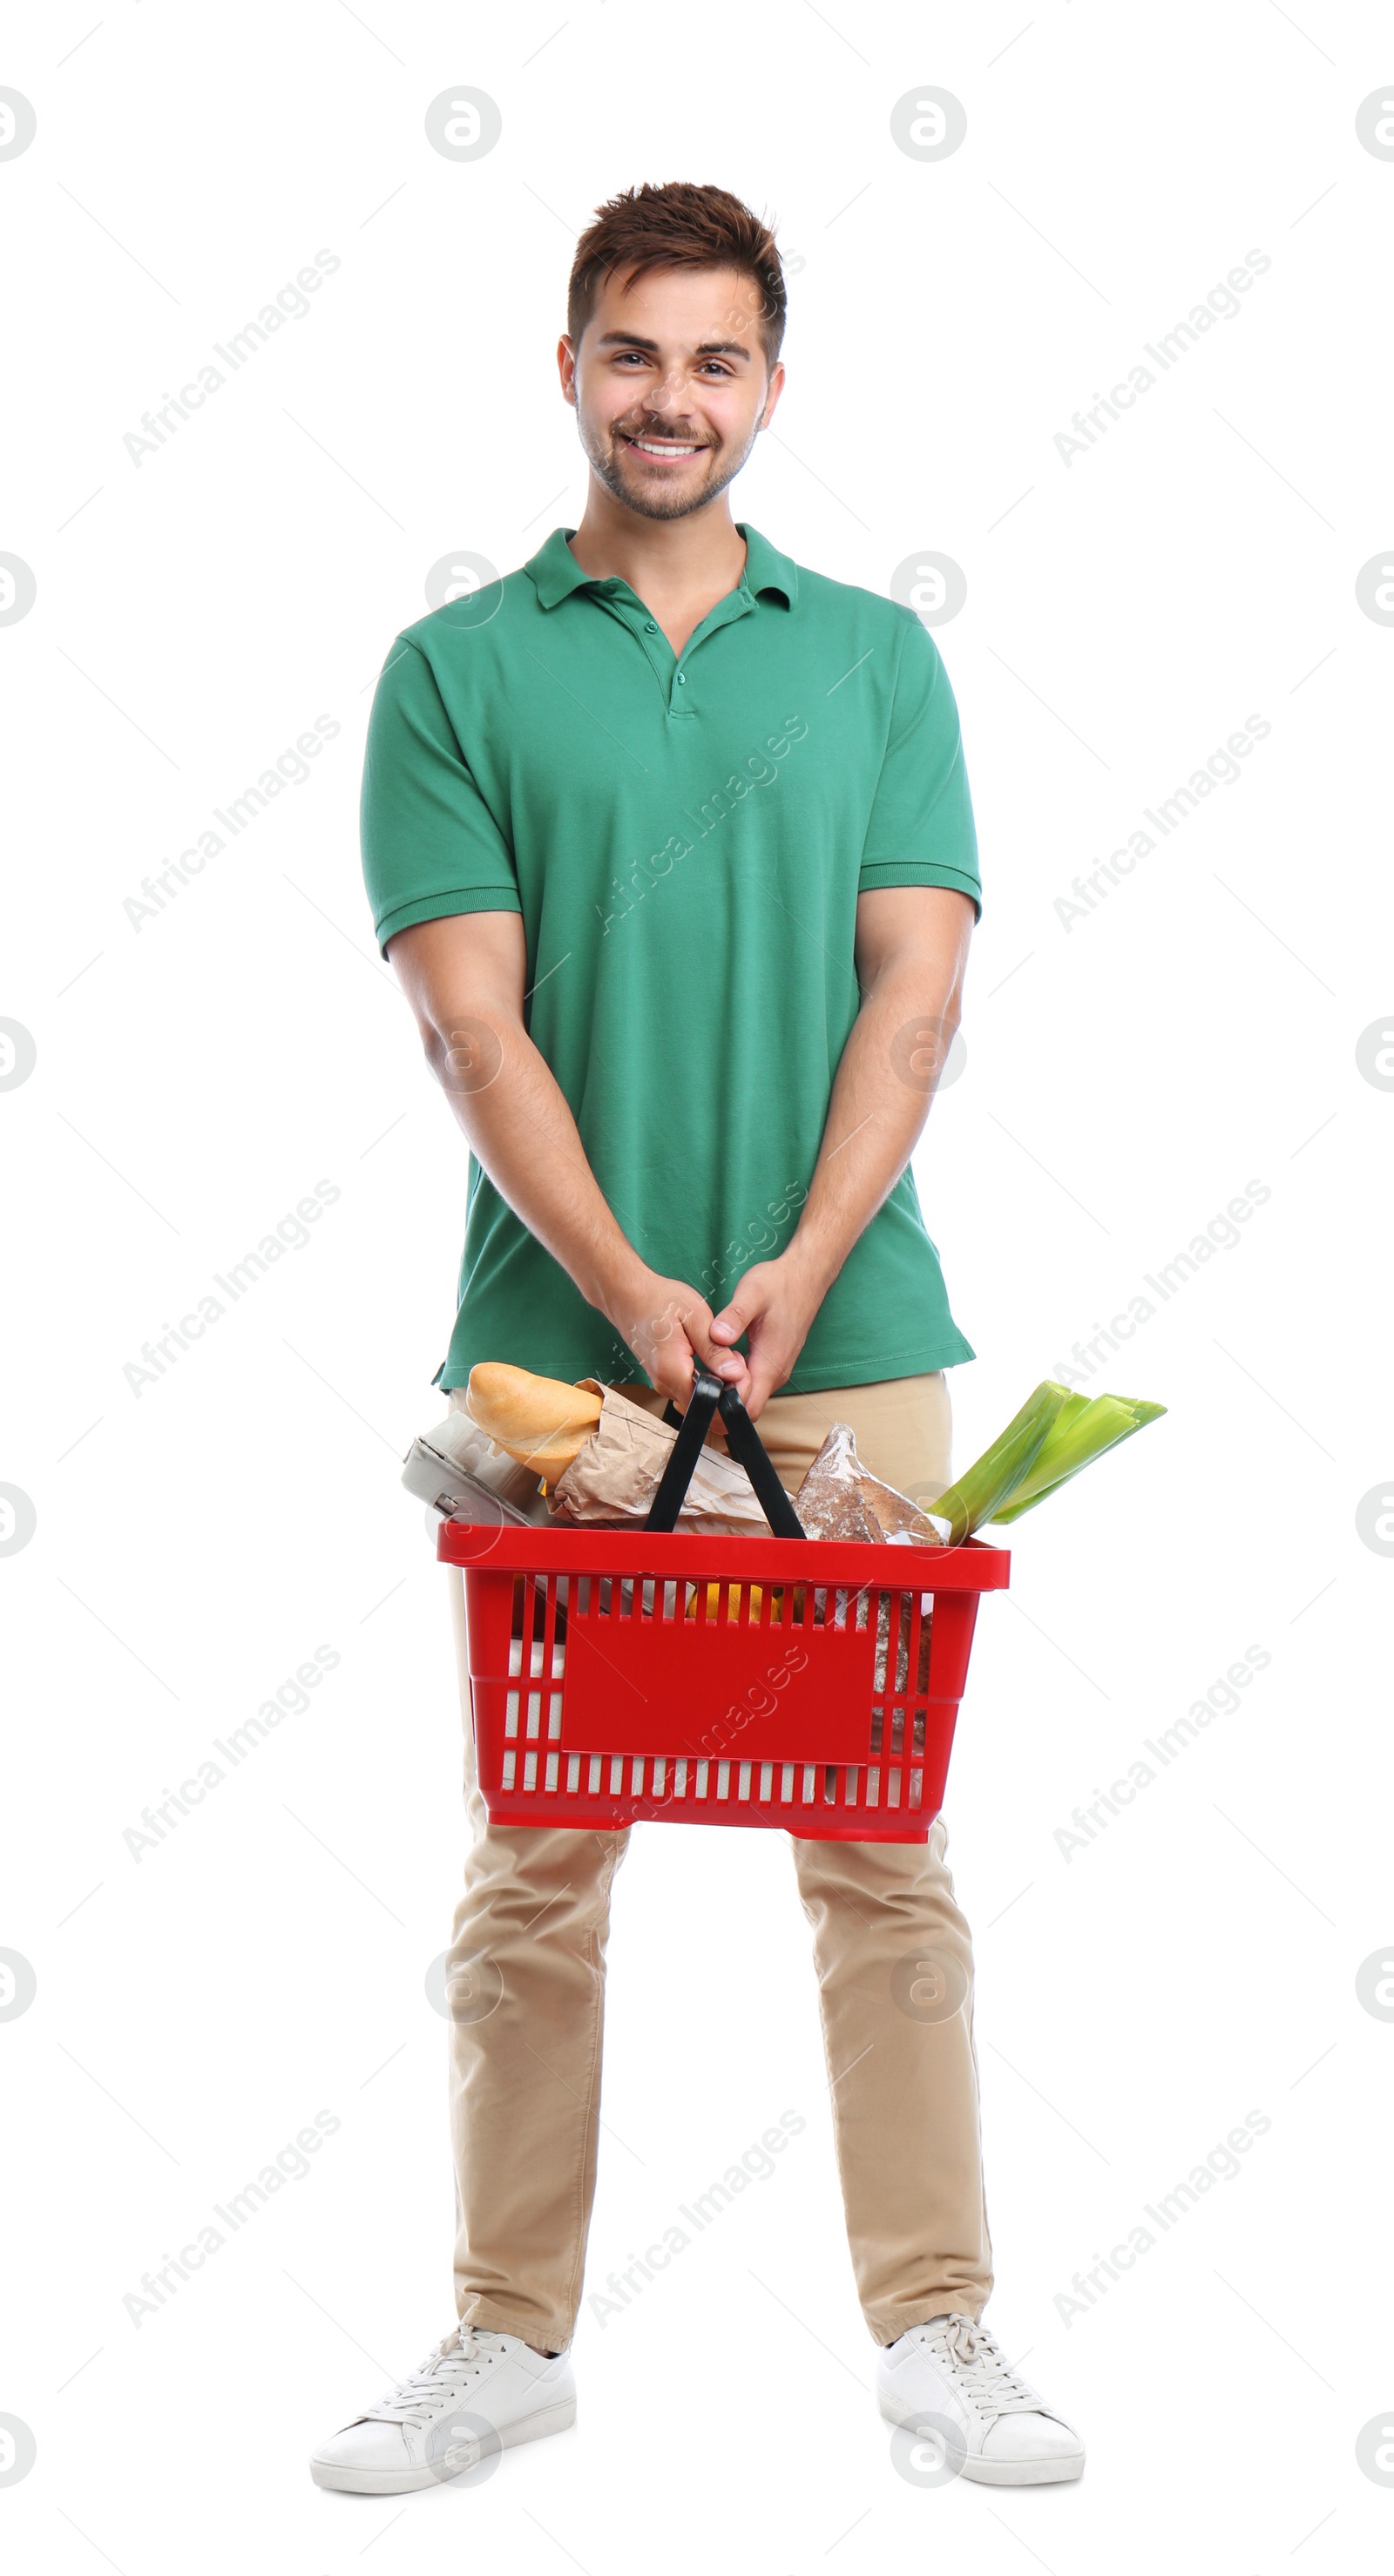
714, 1600
539, 1420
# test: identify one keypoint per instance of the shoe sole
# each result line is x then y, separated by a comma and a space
351, 2481
1002, 2473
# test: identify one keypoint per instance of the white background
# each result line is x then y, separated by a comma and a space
1126, 1077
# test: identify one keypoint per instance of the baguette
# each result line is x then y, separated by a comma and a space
540, 1421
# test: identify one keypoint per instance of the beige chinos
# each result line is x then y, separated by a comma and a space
526, 1976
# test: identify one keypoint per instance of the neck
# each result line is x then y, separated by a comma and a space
660, 558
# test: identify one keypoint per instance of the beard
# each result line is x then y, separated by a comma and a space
626, 482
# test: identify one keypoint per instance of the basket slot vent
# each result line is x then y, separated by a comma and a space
540, 1663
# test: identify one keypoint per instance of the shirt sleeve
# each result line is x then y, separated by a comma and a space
921, 830
430, 844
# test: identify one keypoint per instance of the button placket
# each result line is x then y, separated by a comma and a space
621, 604
738, 604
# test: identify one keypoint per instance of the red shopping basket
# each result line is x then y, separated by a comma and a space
619, 1677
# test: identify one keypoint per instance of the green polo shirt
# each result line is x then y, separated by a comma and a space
685, 837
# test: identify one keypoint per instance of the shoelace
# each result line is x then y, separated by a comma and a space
981, 2375
444, 2372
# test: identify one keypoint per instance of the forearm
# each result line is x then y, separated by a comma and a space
522, 1134
912, 948
880, 1100
465, 979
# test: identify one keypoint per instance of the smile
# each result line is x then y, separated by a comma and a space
664, 447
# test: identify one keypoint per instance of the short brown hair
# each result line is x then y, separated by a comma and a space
677, 226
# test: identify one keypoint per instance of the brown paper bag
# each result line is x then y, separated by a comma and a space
616, 1472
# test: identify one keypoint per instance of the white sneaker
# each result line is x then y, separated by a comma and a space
475, 2396
947, 2382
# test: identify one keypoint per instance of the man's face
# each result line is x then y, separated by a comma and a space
670, 387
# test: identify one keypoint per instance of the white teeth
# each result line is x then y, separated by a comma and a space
662, 447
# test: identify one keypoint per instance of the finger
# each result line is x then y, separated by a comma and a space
729, 1325
770, 1364
758, 1394
725, 1363
732, 1368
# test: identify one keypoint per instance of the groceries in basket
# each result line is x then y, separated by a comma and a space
603, 1458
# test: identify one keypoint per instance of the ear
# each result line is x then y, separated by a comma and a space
773, 391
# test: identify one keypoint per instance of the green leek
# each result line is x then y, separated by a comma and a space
1083, 1429
980, 1494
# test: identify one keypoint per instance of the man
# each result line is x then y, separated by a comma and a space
670, 845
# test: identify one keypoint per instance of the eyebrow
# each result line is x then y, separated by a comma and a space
704, 348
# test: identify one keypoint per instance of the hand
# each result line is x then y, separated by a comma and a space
668, 1325
774, 1307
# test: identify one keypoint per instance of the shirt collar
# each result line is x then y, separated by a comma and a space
554, 571
766, 568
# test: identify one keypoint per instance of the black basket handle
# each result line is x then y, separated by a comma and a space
742, 1440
